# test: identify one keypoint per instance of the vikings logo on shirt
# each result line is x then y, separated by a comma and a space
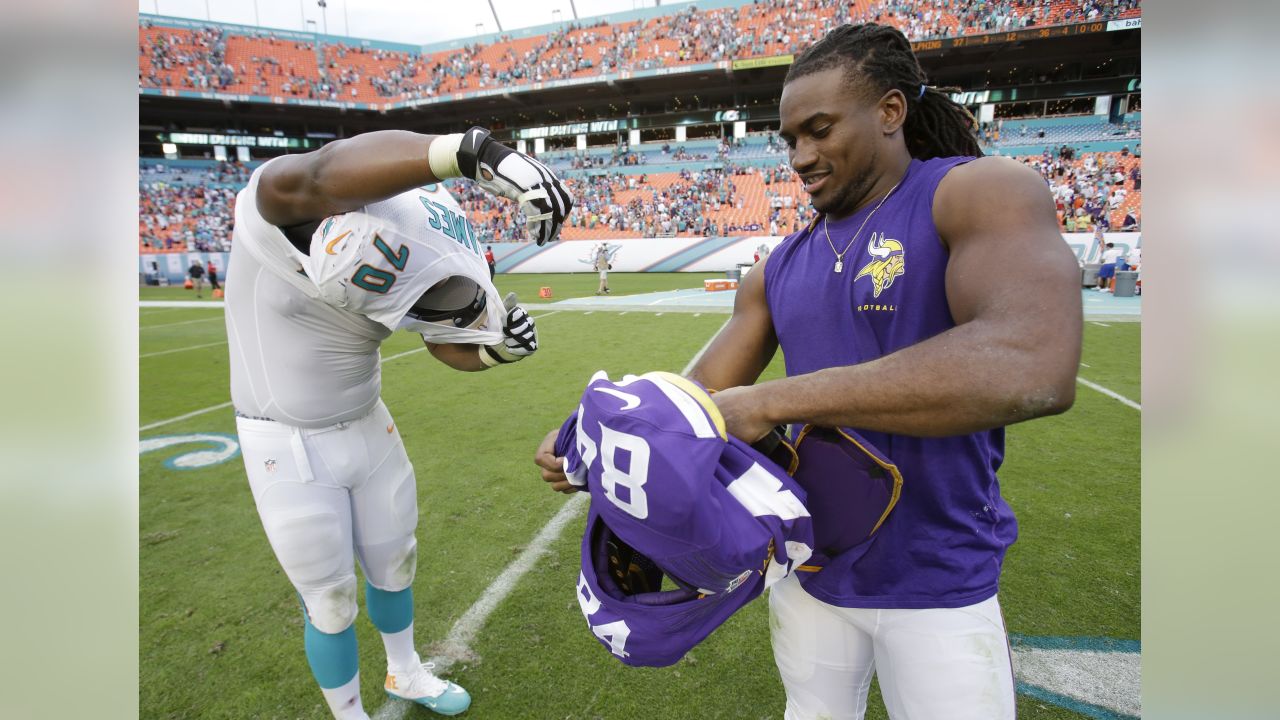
889, 263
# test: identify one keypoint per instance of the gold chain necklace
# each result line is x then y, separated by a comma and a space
840, 255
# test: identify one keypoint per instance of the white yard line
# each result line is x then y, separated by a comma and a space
1109, 393
698, 357
456, 645
1099, 324
179, 418
404, 354
1085, 365
178, 350
219, 406
184, 322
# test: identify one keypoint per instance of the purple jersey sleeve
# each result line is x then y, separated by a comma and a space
669, 487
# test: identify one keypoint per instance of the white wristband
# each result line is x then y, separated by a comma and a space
487, 357
442, 156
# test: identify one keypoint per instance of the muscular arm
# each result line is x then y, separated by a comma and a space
1012, 286
465, 357
744, 348
343, 176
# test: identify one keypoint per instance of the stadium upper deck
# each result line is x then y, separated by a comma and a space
185, 58
190, 204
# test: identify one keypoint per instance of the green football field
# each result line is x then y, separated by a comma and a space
221, 629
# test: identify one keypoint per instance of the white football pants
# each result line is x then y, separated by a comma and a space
327, 496
935, 664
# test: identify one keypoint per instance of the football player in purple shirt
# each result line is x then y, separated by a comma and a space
931, 303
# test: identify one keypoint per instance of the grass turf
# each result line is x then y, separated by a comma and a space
220, 627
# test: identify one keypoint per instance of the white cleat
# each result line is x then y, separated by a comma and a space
419, 685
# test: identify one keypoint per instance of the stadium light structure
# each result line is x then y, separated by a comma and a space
324, 14
496, 21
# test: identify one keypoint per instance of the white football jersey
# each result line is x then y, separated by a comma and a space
304, 329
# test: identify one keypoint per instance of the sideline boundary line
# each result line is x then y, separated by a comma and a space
183, 304
456, 645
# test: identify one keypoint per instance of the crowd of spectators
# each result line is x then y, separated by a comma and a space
622, 155
197, 59
926, 19
191, 209
728, 200
1091, 191
1014, 132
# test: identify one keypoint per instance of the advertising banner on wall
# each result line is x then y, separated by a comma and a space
680, 254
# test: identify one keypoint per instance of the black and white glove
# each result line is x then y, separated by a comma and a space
519, 337
516, 176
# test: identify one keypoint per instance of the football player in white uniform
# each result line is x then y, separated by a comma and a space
332, 251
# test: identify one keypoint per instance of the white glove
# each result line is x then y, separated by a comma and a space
516, 176
520, 337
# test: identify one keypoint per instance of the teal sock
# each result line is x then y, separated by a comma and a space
392, 614
333, 657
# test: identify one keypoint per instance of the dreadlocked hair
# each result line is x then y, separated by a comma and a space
877, 59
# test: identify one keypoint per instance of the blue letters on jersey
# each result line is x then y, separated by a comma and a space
672, 493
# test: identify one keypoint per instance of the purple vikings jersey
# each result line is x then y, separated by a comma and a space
672, 493
944, 543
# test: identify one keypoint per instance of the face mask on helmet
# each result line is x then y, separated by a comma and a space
456, 302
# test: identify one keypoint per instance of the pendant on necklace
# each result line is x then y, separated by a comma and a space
839, 265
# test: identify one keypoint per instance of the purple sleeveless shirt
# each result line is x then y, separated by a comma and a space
942, 546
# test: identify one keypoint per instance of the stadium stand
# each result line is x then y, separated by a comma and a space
258, 63
1055, 131
188, 205
702, 187
191, 204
